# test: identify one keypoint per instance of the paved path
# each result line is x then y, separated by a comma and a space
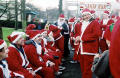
72, 70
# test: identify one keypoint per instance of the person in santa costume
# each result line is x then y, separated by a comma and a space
17, 59
49, 50
114, 51
76, 46
58, 40
106, 21
93, 14
40, 53
4, 71
88, 36
71, 24
65, 32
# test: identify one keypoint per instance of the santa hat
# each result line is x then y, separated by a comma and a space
33, 34
86, 11
71, 20
2, 43
30, 27
61, 16
15, 36
113, 16
92, 11
106, 12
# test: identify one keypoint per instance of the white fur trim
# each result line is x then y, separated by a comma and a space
86, 13
2, 45
106, 14
81, 45
19, 36
61, 18
59, 37
40, 68
36, 36
47, 63
18, 75
70, 22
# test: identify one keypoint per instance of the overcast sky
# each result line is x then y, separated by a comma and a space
43, 4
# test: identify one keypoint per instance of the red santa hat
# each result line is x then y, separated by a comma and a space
30, 27
92, 11
106, 12
61, 16
113, 16
2, 43
71, 20
86, 11
34, 34
15, 36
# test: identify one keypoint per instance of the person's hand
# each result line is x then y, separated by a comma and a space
97, 56
60, 27
57, 50
32, 72
51, 64
77, 38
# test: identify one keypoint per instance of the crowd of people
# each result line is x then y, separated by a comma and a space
39, 53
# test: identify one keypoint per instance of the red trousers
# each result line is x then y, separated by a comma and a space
75, 57
86, 64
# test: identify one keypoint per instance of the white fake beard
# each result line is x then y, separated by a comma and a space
60, 23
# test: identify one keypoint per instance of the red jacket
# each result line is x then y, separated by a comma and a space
15, 60
56, 31
31, 51
89, 43
103, 27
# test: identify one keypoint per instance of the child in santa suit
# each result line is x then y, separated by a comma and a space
17, 60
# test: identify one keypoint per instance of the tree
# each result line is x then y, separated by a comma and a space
1, 35
60, 6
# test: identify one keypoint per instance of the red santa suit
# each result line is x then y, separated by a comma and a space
59, 39
5, 72
104, 23
37, 61
89, 35
76, 45
17, 60
71, 26
38, 52
115, 51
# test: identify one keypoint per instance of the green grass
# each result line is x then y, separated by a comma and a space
7, 32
